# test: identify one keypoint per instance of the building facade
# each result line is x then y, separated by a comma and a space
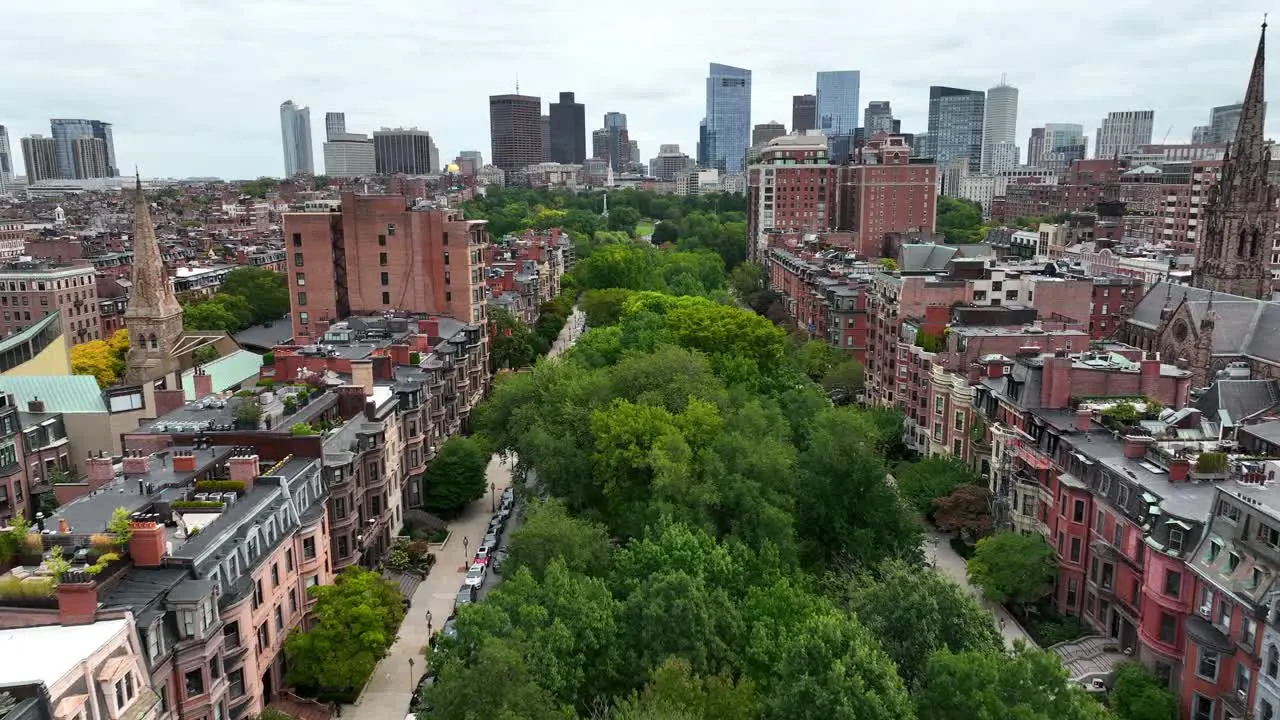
349, 155
838, 104
295, 137
568, 130
515, 131
406, 151
804, 112
1000, 129
728, 118
955, 126
1123, 132
32, 291
40, 155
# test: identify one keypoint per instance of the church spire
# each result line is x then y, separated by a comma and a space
1249, 134
153, 296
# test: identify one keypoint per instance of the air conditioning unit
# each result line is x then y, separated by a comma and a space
202, 497
1206, 611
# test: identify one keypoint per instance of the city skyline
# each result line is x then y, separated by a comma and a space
188, 131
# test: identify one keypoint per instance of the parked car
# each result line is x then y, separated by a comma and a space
475, 576
482, 552
450, 629
491, 539
466, 594
499, 557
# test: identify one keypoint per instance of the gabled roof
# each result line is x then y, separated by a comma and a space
59, 393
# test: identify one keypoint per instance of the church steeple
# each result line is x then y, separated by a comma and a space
1234, 244
154, 317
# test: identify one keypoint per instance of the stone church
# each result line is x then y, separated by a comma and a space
1227, 315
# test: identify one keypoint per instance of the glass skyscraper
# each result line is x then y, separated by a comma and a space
837, 100
955, 126
65, 132
728, 121
295, 135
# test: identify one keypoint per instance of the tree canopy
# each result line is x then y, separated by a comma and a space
248, 295
456, 477
1013, 567
103, 359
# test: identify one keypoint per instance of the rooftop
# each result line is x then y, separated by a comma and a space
228, 371
26, 654
59, 393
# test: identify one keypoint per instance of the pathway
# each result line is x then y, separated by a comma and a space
939, 552
387, 695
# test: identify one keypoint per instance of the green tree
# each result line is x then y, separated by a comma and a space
1013, 567
674, 691
266, 292
922, 482
916, 612
967, 510
456, 477
211, 316
603, 307
1028, 685
355, 622
624, 219
843, 381
550, 534
665, 232
496, 682
1137, 694
513, 344
960, 220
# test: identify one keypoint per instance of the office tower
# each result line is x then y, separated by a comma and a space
1201, 134
600, 144
669, 163
1224, 121
295, 136
1000, 125
704, 144
41, 157
1064, 143
1122, 132
635, 152
568, 130
88, 158
544, 125
955, 126
765, 132
728, 120
404, 151
1035, 147
6, 162
349, 155
469, 162
921, 146
804, 111
335, 123
837, 102
618, 140
878, 118
66, 131
515, 130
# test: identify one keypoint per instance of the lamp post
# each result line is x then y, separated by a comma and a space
411, 683
493, 498
465, 543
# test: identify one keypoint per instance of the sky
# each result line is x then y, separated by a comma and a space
193, 87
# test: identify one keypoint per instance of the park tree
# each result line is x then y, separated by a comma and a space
550, 534
624, 219
844, 380
1030, 684
938, 613
1137, 694
266, 292
1013, 567
603, 307
665, 232
355, 622
513, 344
967, 511
922, 482
210, 315
675, 692
103, 359
496, 678
456, 477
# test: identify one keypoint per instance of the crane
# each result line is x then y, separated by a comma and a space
1166, 135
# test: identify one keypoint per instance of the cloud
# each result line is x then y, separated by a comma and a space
193, 87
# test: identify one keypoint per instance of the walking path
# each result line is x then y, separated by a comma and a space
939, 552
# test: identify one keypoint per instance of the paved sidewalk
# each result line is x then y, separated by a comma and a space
387, 695
938, 551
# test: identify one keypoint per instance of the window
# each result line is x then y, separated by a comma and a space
293, 600
1268, 535
194, 682
1117, 534
1215, 547
300, 278
303, 317
1168, 629
960, 420
231, 634
1172, 583
385, 278
288, 560
386, 298
275, 575
302, 298
1207, 668
257, 593
382, 259
1075, 550
1077, 512
1248, 631
308, 548
215, 667
297, 239
312, 581
1229, 511
235, 682
1098, 522
1243, 676
264, 638
1072, 589
1175, 540
120, 699
391, 229
188, 623
1265, 711
446, 257
1233, 561
279, 620
382, 240
297, 259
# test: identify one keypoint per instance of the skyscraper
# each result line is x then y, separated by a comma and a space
955, 126
544, 126
878, 118
40, 154
295, 136
1064, 143
335, 123
764, 132
1000, 125
407, 151
515, 130
1223, 122
88, 158
349, 155
804, 110
1035, 147
728, 118
6, 162
66, 131
618, 140
1122, 132
568, 130
837, 102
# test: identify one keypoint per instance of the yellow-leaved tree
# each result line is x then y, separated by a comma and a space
103, 359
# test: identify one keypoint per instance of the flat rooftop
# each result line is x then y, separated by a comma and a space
49, 653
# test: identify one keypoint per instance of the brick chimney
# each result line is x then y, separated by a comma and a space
184, 461
1135, 446
1149, 380
136, 462
35, 405
362, 375
77, 597
430, 328
99, 469
203, 382
169, 400
400, 354
1084, 420
147, 544
243, 466
1179, 470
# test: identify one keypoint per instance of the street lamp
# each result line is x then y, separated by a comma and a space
465, 542
493, 499
411, 683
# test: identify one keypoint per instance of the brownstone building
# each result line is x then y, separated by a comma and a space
374, 255
31, 291
883, 192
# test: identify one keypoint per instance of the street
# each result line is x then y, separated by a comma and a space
939, 552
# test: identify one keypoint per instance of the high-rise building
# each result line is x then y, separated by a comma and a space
335, 123
349, 155
1000, 125
568, 131
295, 136
634, 146
515, 130
618, 140
544, 125
878, 118
1123, 132
1064, 143
66, 131
764, 132
669, 163
600, 144
955, 126
728, 133
804, 112
469, 161
40, 154
405, 151
88, 158
6, 162
837, 102
1035, 147
1201, 135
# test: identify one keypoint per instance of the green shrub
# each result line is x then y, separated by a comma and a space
415, 358
1211, 462
269, 359
235, 486
197, 505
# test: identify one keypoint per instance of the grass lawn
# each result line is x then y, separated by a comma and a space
644, 227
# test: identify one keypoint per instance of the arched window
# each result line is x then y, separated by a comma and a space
151, 342
1273, 661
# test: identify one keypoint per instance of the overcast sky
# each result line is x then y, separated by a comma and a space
194, 87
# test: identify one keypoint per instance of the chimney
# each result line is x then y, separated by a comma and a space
77, 596
100, 470
1179, 470
1135, 446
400, 354
147, 544
35, 405
169, 400
137, 462
243, 467
184, 461
1084, 420
362, 375
203, 383
1149, 379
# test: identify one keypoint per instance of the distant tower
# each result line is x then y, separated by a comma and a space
1000, 125
605, 211
154, 317
295, 136
1233, 254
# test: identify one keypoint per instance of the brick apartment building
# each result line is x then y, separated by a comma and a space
883, 192
523, 272
30, 291
375, 255
13, 236
1185, 205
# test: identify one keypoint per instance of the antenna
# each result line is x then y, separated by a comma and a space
1004, 78
517, 83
